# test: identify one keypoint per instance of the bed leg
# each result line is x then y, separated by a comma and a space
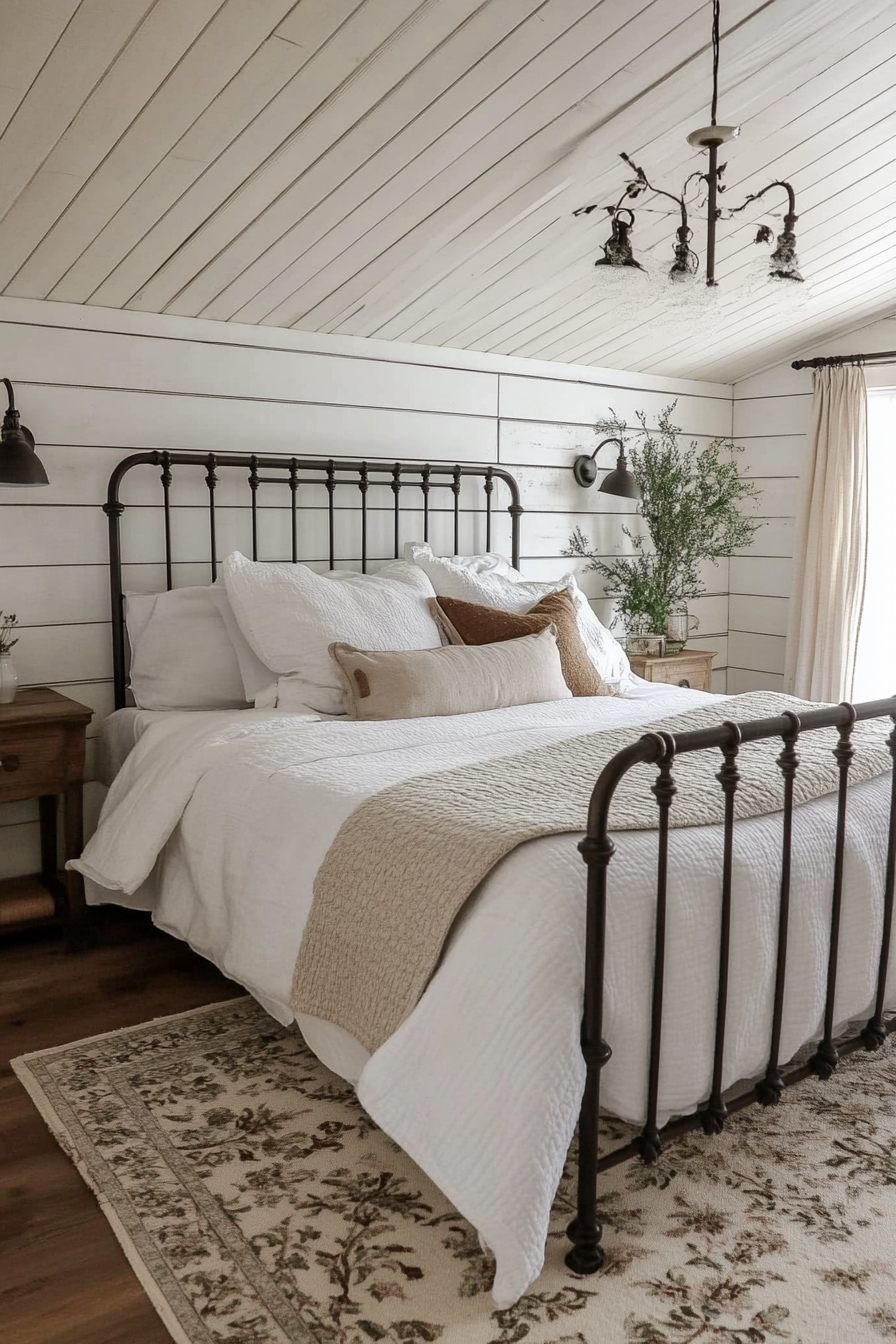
585, 1231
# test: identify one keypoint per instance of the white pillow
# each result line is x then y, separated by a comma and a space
291, 616
501, 586
487, 563
259, 682
181, 654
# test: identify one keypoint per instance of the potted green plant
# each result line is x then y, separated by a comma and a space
693, 504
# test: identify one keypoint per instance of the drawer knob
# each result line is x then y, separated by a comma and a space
9, 763
684, 682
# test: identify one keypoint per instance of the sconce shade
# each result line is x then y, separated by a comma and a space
619, 481
19, 463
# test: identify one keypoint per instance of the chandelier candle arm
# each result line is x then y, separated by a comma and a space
686, 261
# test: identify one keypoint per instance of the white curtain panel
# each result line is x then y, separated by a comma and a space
831, 539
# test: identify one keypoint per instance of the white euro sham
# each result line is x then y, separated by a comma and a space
291, 615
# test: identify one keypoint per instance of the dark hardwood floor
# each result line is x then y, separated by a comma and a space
63, 1276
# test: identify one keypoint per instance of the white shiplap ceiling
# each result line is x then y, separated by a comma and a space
407, 169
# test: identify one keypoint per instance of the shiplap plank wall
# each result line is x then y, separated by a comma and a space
94, 384
771, 419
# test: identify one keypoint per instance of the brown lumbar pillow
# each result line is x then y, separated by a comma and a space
471, 623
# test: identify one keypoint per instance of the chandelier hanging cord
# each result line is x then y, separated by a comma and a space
716, 11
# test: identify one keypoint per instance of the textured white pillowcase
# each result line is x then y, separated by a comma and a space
290, 615
181, 654
498, 584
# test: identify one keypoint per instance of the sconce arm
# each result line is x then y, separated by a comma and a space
585, 467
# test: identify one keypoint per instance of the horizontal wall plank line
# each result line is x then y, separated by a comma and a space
244, 397
147, 421
770, 396
54, 625
343, 510
65, 317
341, 561
586, 425
79, 681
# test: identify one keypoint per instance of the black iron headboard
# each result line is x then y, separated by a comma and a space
405, 479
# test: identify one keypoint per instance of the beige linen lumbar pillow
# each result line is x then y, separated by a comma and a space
454, 679
472, 623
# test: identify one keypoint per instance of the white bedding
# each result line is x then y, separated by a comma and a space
220, 827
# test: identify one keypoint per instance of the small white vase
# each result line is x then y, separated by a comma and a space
8, 679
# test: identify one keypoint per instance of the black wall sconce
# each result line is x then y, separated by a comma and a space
19, 463
620, 481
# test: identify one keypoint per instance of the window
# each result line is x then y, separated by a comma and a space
876, 652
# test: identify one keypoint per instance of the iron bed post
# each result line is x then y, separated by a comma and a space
716, 1112
664, 790
771, 1087
877, 1029
113, 509
597, 849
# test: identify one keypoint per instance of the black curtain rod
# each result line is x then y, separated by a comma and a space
831, 361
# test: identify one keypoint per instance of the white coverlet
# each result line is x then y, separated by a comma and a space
222, 828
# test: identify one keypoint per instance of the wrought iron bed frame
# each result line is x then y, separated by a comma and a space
332, 474
597, 848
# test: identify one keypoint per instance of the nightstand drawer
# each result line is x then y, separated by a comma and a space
34, 760
692, 667
681, 672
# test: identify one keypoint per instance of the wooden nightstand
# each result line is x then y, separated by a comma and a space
42, 745
691, 667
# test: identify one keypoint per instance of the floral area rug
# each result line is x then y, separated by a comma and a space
259, 1204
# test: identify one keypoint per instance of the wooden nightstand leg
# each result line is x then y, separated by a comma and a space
49, 863
75, 914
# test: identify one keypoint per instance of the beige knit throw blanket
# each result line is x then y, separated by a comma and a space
407, 859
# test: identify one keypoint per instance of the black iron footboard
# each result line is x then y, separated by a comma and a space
661, 749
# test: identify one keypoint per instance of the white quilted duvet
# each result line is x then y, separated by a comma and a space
219, 823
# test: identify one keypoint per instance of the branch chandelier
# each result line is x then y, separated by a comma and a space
618, 255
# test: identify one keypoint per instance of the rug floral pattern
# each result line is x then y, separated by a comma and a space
261, 1205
